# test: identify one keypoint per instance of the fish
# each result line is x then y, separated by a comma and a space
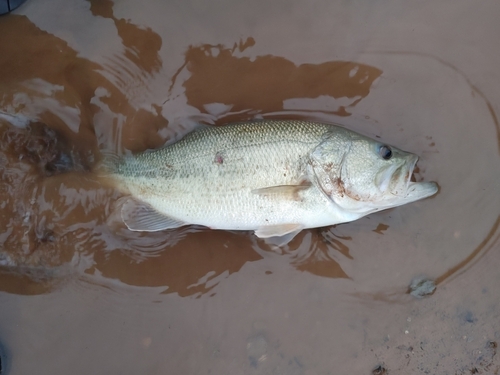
273, 177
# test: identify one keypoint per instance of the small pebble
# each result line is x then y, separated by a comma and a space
257, 349
379, 370
421, 287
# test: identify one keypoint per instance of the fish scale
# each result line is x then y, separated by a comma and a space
269, 176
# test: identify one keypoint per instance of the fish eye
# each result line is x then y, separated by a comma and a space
385, 152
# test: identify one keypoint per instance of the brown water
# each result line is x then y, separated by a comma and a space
80, 297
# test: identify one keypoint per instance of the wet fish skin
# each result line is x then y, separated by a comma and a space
275, 177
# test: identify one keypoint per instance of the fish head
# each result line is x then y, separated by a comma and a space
361, 175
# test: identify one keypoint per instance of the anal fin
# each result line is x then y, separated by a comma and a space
279, 234
141, 217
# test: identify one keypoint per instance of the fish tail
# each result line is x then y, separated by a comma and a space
108, 163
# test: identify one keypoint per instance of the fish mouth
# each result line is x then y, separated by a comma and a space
417, 190
409, 175
396, 179
420, 190
397, 186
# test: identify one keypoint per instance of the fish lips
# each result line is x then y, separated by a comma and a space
394, 179
418, 190
402, 189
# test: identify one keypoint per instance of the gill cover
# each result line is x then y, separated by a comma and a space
326, 166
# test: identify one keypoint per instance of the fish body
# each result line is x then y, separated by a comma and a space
274, 177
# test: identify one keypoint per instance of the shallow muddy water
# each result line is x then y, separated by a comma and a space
80, 296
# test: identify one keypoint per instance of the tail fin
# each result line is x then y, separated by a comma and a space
108, 163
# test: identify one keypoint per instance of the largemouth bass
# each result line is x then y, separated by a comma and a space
273, 177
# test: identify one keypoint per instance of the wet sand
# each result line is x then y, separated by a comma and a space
80, 296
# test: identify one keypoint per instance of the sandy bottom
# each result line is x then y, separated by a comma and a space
81, 294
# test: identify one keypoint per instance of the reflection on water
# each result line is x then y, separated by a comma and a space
191, 267
269, 83
316, 251
58, 218
61, 218
139, 61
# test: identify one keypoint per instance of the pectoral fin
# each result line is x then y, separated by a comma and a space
283, 191
141, 217
279, 234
